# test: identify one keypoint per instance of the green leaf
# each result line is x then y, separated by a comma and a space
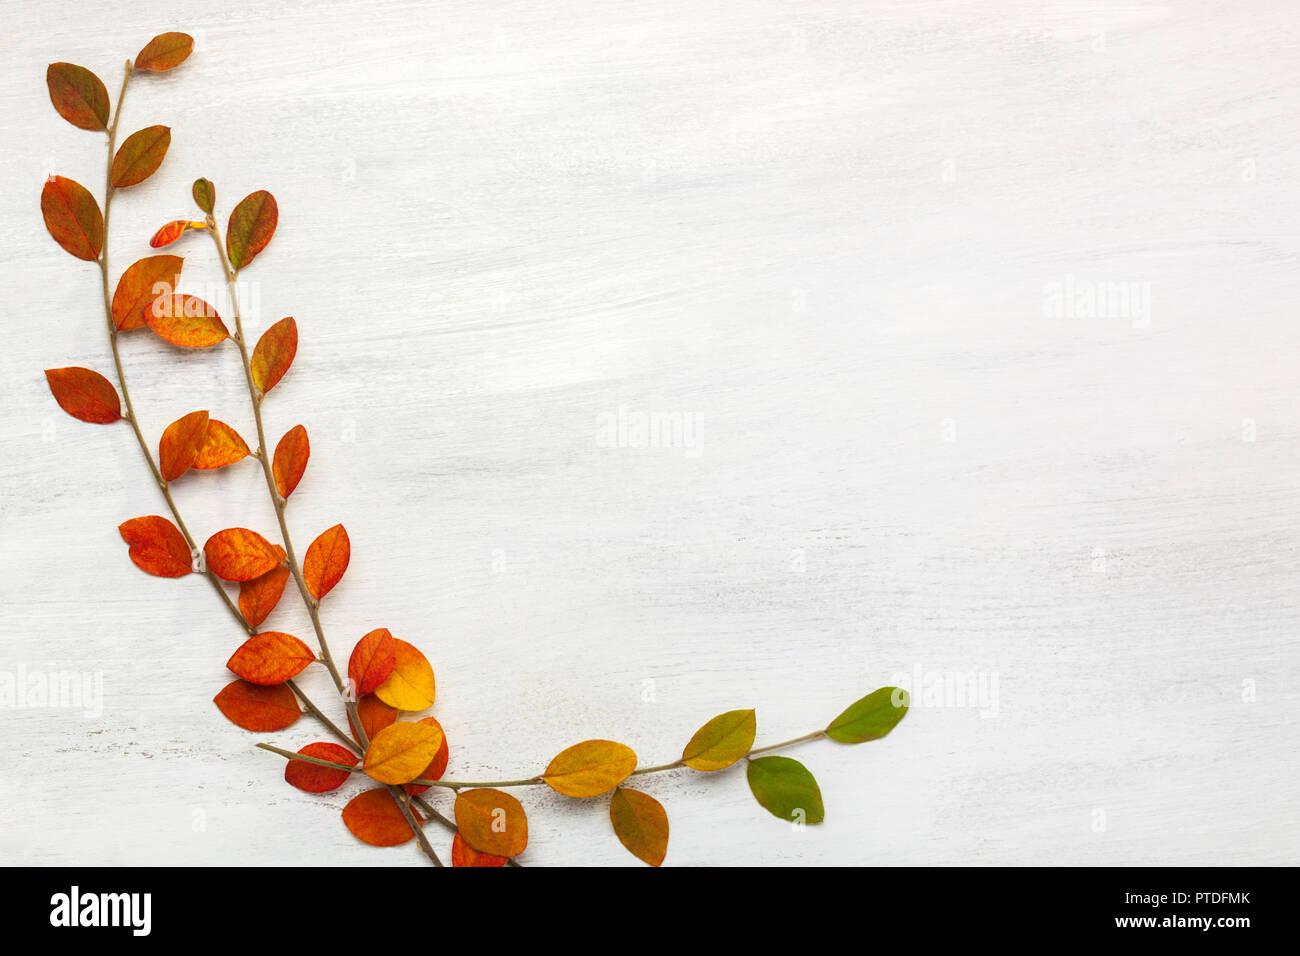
871, 717
785, 789
252, 225
721, 742
205, 195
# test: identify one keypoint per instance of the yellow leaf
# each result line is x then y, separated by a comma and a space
401, 751
590, 768
722, 741
411, 685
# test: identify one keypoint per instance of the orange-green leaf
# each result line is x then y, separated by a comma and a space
258, 596
78, 95
437, 766
411, 685
140, 155
722, 741
462, 854
258, 708
173, 231
314, 778
238, 554
640, 824
784, 788
290, 460
871, 717
271, 657
374, 817
221, 446
73, 218
205, 194
180, 443
492, 821
85, 394
401, 751
590, 768
142, 283
186, 320
372, 661
327, 559
375, 716
274, 353
251, 226
157, 547
164, 52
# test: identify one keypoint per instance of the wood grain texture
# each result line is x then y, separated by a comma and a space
827, 233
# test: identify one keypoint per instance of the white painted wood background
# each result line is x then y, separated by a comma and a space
824, 231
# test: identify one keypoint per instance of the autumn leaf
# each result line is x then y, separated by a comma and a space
72, 217
314, 778
290, 460
492, 821
400, 752
271, 657
238, 554
258, 596
375, 716
221, 446
462, 854
721, 742
157, 547
590, 768
78, 95
437, 766
327, 558
140, 156
251, 226
372, 661
205, 195
186, 320
411, 686
180, 443
274, 353
786, 789
871, 717
164, 52
640, 824
84, 394
374, 817
258, 708
173, 231
142, 283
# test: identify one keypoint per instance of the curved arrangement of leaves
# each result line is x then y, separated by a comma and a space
385, 679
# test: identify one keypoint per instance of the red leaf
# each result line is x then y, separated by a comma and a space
157, 547
173, 231
326, 560
84, 394
437, 766
462, 854
165, 52
274, 353
258, 596
290, 460
180, 443
374, 817
375, 716
258, 708
251, 227
140, 156
142, 283
271, 657
78, 95
73, 218
314, 778
238, 554
372, 660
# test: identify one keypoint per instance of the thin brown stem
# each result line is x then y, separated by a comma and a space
404, 802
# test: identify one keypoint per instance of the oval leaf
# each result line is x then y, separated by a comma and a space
205, 194
492, 821
372, 661
274, 353
259, 596
326, 560
411, 685
164, 52
314, 778
157, 547
640, 823
73, 218
462, 854
400, 752
271, 657
786, 789
173, 231
437, 766
374, 817
871, 717
290, 460
84, 394
258, 708
221, 446
140, 156
142, 283
238, 554
186, 320
721, 742
179, 445
251, 227
590, 768
375, 716
78, 95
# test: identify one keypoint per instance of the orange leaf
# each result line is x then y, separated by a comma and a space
274, 353
411, 686
165, 52
157, 547
78, 95
401, 751
462, 854
437, 767
186, 320
238, 554
142, 283
314, 778
271, 657
374, 817
372, 660
173, 231
73, 218
290, 460
375, 716
221, 446
258, 708
251, 227
326, 560
84, 394
258, 596
140, 156
640, 824
180, 443
590, 768
492, 821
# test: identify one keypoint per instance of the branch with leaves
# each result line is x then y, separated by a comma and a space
388, 683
